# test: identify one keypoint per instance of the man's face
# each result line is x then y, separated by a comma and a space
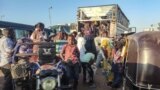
60, 35
38, 29
70, 40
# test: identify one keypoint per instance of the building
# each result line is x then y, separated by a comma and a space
153, 27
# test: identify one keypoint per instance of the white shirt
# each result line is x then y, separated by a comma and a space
6, 45
97, 41
87, 57
80, 44
117, 56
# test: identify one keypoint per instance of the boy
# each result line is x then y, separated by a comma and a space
70, 55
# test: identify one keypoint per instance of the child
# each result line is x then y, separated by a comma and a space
70, 55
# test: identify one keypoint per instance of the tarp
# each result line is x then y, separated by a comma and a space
95, 13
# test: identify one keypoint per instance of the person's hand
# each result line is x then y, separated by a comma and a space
19, 41
8, 54
91, 62
63, 61
41, 38
68, 60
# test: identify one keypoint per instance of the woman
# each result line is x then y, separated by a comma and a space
37, 37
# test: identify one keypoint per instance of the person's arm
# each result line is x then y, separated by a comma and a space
62, 52
8, 47
33, 36
112, 53
92, 59
78, 52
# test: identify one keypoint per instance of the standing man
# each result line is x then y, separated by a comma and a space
86, 61
6, 49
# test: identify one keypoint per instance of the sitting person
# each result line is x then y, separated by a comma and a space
22, 48
25, 49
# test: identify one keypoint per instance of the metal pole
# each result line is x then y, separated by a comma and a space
2, 16
50, 20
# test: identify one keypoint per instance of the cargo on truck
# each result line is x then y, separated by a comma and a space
111, 16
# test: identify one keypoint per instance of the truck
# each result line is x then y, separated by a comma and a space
115, 20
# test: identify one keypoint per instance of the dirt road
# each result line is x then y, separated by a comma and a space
99, 81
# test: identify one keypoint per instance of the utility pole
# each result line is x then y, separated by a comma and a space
2, 16
50, 19
158, 26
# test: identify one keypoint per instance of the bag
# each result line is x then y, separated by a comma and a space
20, 70
47, 53
108, 71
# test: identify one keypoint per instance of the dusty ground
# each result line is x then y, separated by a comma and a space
99, 81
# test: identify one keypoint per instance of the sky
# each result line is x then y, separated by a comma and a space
141, 13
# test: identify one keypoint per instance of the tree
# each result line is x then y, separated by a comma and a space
158, 26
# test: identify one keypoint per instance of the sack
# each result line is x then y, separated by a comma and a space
7, 66
108, 70
106, 65
20, 69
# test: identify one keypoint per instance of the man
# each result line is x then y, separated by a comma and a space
124, 41
86, 61
117, 65
70, 55
81, 45
6, 49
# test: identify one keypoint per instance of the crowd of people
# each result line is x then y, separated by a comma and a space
85, 49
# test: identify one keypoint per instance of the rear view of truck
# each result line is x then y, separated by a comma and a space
111, 16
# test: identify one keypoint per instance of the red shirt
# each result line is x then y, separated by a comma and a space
70, 52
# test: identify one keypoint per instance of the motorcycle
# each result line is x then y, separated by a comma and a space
48, 75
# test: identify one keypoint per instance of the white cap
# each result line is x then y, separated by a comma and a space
125, 32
